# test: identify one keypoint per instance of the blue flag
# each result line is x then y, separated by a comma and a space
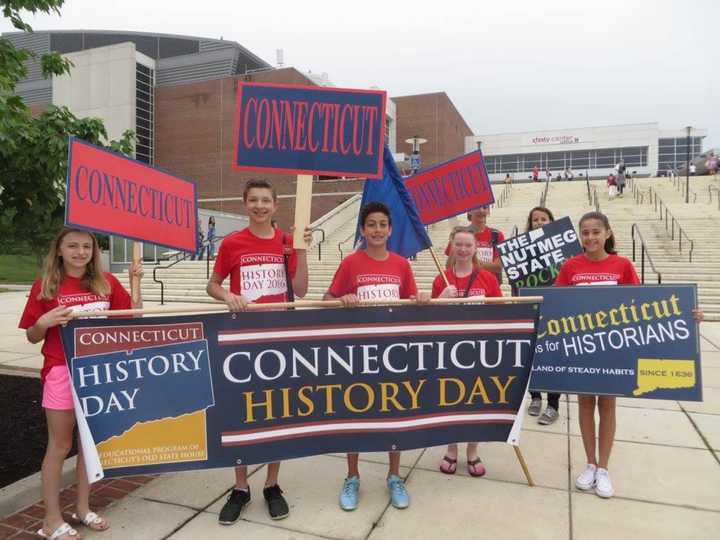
408, 233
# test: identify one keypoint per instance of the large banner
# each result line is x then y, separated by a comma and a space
533, 259
193, 392
309, 130
113, 194
639, 341
452, 188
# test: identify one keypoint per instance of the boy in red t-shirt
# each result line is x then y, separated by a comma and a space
374, 274
258, 263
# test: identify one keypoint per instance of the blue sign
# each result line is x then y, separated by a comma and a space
174, 393
309, 130
631, 341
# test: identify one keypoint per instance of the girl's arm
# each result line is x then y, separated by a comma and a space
59, 315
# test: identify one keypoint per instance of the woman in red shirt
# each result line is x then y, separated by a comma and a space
72, 280
466, 278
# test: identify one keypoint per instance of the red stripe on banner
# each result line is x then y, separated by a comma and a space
359, 422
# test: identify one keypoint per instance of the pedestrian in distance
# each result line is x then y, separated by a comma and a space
72, 280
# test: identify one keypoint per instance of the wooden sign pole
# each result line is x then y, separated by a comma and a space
303, 206
135, 292
440, 268
524, 466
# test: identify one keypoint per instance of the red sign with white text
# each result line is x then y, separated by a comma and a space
114, 194
450, 189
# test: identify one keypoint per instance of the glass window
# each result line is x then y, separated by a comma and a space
580, 159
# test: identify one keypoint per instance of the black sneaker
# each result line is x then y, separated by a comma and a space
277, 505
236, 501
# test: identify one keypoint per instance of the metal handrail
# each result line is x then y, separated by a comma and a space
319, 244
504, 196
596, 199
514, 232
668, 217
351, 235
684, 188
587, 184
543, 197
710, 190
635, 228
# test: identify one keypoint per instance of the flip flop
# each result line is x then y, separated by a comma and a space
476, 468
448, 465
91, 521
63, 530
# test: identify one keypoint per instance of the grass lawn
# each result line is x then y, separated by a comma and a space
18, 268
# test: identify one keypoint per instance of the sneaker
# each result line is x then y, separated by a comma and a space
350, 494
586, 480
535, 406
236, 501
399, 497
549, 416
277, 505
603, 485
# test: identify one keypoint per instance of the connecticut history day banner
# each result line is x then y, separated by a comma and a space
191, 392
309, 130
639, 341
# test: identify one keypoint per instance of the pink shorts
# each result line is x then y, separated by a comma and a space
56, 390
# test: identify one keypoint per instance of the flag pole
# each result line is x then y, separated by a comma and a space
440, 268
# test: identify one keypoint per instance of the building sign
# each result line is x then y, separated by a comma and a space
553, 139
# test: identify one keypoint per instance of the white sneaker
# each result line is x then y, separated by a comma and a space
586, 480
603, 485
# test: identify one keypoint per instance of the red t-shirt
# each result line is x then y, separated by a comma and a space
486, 252
369, 279
70, 294
256, 266
484, 284
613, 270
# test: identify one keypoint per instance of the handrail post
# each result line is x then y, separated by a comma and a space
642, 264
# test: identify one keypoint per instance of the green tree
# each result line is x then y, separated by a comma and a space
33, 150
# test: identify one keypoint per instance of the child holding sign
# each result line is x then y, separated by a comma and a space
537, 219
73, 280
487, 240
374, 274
259, 264
599, 265
466, 279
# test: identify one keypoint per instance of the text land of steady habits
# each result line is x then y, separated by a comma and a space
113, 194
309, 130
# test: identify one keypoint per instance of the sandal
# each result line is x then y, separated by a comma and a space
448, 465
476, 468
92, 521
63, 531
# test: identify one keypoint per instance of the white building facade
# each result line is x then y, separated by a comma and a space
594, 151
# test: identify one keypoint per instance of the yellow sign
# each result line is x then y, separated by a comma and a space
657, 374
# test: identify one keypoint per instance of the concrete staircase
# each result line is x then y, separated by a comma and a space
185, 282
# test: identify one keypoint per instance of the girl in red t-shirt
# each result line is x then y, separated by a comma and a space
466, 279
72, 280
598, 265
537, 219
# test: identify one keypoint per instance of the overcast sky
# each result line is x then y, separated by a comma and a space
508, 66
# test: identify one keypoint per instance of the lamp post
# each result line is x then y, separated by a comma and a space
415, 141
687, 165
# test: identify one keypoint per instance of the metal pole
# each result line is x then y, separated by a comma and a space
687, 168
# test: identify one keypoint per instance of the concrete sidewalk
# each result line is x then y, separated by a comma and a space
665, 470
